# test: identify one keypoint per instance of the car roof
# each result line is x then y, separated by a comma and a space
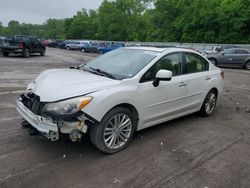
239, 49
161, 50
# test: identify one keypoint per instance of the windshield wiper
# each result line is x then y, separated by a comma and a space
74, 67
103, 72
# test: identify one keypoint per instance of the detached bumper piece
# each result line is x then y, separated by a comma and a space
44, 125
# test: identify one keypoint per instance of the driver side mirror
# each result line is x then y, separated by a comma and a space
162, 75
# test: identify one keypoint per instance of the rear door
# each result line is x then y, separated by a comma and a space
32, 44
239, 57
198, 76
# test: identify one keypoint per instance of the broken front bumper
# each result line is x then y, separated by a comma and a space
44, 125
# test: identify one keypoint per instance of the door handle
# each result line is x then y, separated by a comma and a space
182, 84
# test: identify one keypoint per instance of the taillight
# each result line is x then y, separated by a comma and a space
222, 74
21, 45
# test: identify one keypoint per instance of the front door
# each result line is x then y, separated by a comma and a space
169, 98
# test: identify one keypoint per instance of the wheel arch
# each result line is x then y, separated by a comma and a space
213, 59
214, 89
130, 107
246, 61
126, 105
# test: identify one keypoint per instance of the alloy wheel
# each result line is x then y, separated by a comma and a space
210, 103
247, 65
117, 131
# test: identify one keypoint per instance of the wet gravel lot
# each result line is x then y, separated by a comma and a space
192, 151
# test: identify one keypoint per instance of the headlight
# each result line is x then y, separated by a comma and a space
67, 107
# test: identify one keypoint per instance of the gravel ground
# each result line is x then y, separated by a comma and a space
192, 151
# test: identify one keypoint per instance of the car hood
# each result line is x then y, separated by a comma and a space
57, 84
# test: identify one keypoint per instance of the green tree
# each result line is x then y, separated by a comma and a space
77, 27
53, 28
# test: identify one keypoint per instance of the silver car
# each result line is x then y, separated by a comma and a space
233, 57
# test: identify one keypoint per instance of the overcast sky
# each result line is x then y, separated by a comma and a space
38, 11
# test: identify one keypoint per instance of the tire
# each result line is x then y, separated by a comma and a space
83, 50
213, 61
26, 53
247, 65
68, 48
100, 52
5, 54
42, 52
110, 138
209, 104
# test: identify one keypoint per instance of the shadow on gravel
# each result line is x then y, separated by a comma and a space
68, 149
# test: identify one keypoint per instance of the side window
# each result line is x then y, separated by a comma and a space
195, 63
241, 51
228, 51
171, 62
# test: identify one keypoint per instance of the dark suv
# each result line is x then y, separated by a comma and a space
24, 45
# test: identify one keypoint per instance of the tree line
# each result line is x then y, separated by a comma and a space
210, 21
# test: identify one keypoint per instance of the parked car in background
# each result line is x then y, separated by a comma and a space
2, 39
61, 44
231, 57
75, 45
217, 49
118, 93
54, 43
92, 47
110, 47
45, 42
202, 52
24, 45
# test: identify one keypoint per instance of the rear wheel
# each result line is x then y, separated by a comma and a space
247, 65
115, 130
209, 103
26, 52
68, 48
212, 60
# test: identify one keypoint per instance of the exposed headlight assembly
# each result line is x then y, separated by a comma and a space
67, 107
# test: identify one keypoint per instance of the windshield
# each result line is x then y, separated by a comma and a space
121, 63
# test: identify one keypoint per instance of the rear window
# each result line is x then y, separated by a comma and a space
195, 63
241, 51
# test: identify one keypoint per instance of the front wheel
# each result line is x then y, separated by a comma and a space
209, 103
115, 130
100, 52
247, 65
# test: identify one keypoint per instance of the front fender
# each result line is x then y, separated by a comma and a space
104, 100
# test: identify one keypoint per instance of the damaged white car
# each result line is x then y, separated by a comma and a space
121, 92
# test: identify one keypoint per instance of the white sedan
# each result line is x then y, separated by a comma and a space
121, 92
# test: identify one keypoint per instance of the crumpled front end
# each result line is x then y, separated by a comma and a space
30, 108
